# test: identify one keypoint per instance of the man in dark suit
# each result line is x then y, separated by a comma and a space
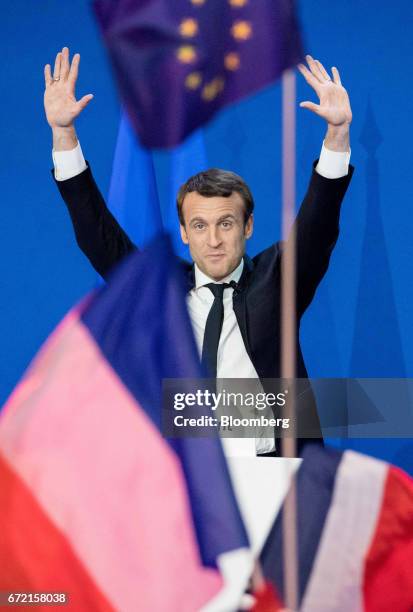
233, 301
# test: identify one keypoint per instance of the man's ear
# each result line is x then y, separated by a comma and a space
249, 227
184, 235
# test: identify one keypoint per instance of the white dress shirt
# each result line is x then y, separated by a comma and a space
67, 164
232, 360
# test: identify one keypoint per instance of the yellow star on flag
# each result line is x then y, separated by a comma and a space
241, 30
212, 89
186, 54
188, 27
193, 80
232, 61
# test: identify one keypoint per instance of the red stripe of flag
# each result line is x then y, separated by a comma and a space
34, 555
267, 599
388, 575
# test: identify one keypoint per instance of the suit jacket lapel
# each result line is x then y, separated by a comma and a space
239, 302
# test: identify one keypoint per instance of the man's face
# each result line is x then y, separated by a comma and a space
215, 231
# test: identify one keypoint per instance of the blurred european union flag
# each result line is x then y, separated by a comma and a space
177, 62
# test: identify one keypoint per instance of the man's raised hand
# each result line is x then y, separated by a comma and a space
334, 103
60, 102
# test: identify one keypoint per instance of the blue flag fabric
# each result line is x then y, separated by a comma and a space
177, 63
189, 158
133, 194
140, 323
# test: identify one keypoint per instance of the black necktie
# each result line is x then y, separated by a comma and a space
213, 328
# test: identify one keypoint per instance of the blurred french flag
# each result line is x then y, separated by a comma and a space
94, 502
354, 534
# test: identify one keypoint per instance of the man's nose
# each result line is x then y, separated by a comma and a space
214, 239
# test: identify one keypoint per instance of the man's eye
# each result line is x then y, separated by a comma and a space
199, 226
226, 224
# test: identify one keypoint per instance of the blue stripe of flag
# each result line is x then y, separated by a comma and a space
314, 485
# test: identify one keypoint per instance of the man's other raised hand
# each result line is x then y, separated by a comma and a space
334, 104
60, 102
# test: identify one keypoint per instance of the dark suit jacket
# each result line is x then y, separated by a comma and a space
257, 301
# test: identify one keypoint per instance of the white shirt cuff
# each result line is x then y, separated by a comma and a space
333, 164
68, 164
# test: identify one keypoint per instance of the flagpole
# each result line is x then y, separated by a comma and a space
288, 328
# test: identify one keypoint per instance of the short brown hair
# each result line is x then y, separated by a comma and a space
216, 182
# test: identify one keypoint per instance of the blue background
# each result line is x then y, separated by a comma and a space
360, 321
